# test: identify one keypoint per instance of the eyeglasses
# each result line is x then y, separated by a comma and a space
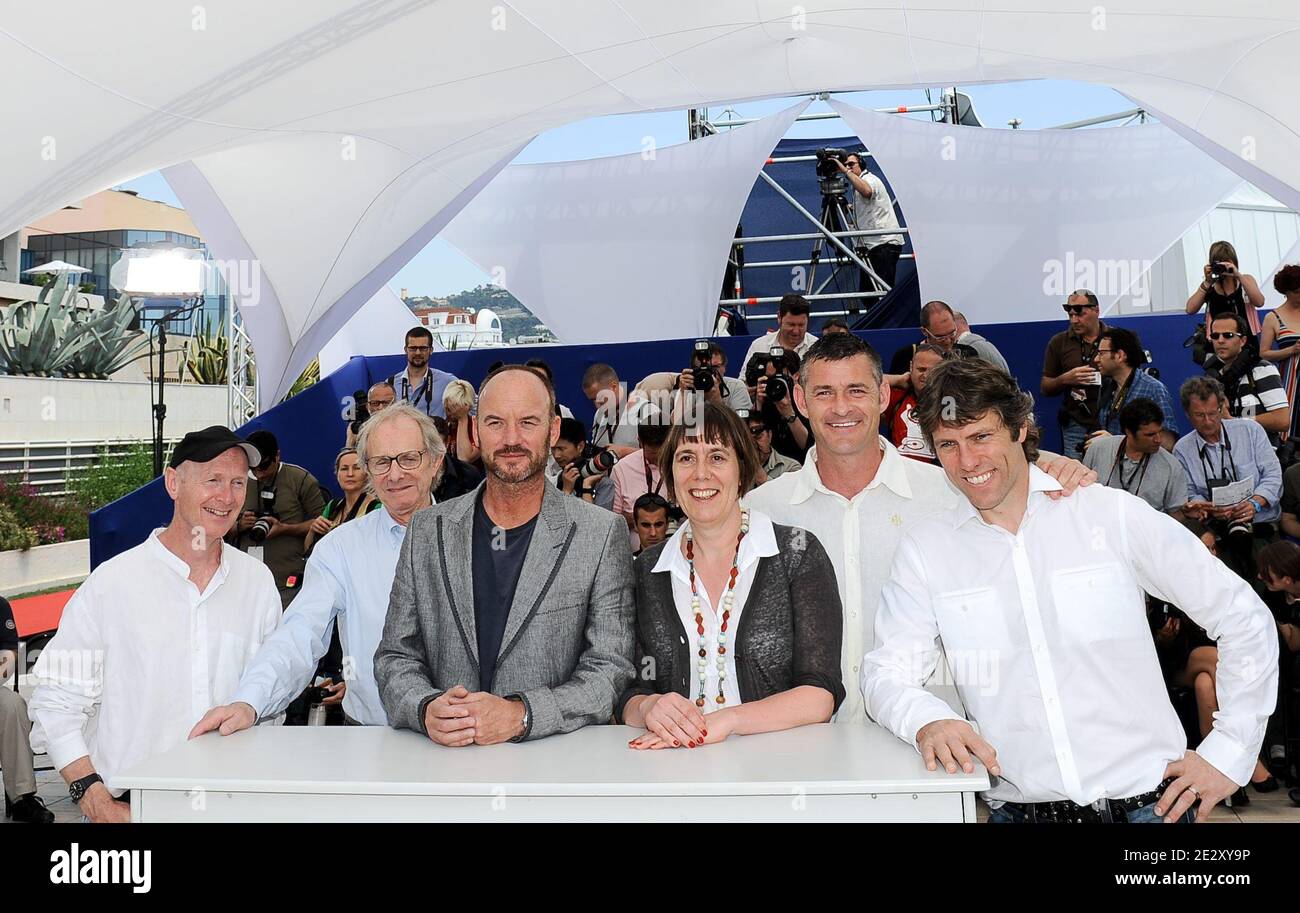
1225, 335
946, 336
418, 349
1101, 352
378, 403
756, 430
853, 164
1076, 310
380, 465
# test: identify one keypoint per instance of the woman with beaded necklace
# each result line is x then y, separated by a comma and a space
738, 620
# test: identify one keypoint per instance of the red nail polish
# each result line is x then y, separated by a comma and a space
676, 744
706, 733
690, 744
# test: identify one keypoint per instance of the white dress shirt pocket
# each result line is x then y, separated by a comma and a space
971, 620
1097, 603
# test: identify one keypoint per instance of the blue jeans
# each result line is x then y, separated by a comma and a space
1144, 815
1073, 435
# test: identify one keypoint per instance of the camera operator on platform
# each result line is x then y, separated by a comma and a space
872, 209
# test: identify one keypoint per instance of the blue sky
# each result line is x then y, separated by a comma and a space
439, 269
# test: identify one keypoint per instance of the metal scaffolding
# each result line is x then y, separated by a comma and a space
241, 370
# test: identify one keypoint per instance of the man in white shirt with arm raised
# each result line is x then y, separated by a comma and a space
856, 493
1041, 603
348, 577
156, 634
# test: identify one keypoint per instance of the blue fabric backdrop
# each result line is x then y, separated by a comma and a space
311, 428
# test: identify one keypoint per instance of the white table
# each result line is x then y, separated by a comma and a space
828, 772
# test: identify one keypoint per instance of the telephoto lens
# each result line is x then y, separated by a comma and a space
601, 461
258, 531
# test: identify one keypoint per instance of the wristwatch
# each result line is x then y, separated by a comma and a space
77, 788
528, 722
790, 419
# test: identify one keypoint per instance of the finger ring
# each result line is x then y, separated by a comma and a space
1194, 791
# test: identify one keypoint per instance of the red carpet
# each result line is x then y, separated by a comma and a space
37, 614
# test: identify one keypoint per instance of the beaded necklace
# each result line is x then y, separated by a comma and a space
728, 600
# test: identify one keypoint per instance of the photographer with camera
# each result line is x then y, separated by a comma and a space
708, 375
773, 376
1069, 369
584, 468
1253, 385
791, 333
277, 515
872, 209
1226, 290
638, 474
1221, 452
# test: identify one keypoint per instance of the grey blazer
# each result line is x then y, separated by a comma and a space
567, 647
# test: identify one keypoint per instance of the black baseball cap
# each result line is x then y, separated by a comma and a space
208, 444
266, 445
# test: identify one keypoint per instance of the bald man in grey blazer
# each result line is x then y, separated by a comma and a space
511, 613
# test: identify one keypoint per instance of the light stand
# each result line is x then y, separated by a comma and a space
159, 405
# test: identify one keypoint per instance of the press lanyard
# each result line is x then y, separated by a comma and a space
1139, 473
657, 486
1226, 461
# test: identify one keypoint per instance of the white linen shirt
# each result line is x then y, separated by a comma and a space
1046, 631
349, 577
141, 655
860, 536
759, 542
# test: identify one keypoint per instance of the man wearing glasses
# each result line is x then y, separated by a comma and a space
873, 209
774, 464
1253, 385
1069, 369
349, 578
421, 385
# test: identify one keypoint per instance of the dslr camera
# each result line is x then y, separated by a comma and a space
257, 533
594, 460
703, 373
778, 384
1219, 270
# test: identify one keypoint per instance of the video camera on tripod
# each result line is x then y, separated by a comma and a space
830, 179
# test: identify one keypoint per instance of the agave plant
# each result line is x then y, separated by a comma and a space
309, 376
51, 336
206, 354
113, 345
40, 337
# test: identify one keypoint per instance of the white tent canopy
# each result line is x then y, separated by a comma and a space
1006, 223
625, 248
366, 126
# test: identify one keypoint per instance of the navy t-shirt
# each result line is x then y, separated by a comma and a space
498, 558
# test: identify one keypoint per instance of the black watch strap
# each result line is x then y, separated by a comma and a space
77, 788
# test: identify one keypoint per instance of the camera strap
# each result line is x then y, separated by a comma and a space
1227, 466
1139, 472
655, 489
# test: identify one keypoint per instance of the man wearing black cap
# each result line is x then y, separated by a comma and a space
281, 501
157, 634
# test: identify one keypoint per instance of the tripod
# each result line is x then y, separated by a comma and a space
835, 217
